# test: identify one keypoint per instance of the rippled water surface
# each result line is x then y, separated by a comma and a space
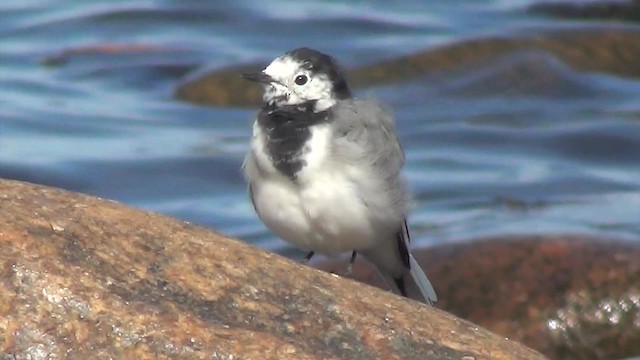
562, 159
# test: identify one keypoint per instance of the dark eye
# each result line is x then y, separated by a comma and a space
301, 79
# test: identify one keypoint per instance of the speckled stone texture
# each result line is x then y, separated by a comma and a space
84, 278
612, 50
570, 297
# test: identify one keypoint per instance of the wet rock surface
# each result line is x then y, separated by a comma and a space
84, 278
606, 50
570, 297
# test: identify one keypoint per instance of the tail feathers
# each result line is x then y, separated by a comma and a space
422, 282
413, 284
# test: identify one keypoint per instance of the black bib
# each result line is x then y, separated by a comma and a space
287, 129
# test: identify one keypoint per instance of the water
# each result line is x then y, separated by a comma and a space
561, 159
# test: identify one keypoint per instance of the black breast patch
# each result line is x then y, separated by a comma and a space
287, 131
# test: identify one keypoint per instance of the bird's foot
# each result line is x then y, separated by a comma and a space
351, 261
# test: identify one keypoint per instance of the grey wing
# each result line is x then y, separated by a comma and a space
365, 136
366, 133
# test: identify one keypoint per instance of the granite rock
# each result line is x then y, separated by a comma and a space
84, 278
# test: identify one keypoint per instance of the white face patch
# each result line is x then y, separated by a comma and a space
285, 91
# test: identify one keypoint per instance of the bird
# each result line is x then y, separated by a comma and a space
324, 170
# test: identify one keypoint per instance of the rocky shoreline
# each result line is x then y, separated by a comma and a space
83, 276
86, 278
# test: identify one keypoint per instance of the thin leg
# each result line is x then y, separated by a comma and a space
351, 261
308, 257
401, 286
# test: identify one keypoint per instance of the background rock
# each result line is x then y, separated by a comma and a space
615, 51
570, 297
592, 10
85, 278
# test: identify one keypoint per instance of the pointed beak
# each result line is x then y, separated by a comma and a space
259, 77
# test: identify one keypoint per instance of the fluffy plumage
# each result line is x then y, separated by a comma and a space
324, 169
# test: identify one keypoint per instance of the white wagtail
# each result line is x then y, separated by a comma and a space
324, 170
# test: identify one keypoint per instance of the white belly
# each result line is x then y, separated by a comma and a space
322, 210
324, 215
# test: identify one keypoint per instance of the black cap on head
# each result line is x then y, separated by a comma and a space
318, 62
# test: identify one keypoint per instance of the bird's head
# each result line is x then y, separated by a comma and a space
302, 77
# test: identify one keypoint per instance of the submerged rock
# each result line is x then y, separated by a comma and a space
570, 297
615, 51
84, 278
590, 10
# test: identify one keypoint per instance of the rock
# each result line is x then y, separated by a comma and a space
592, 10
84, 278
222, 87
63, 56
525, 73
615, 51
570, 297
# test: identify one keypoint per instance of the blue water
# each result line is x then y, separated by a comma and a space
561, 159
